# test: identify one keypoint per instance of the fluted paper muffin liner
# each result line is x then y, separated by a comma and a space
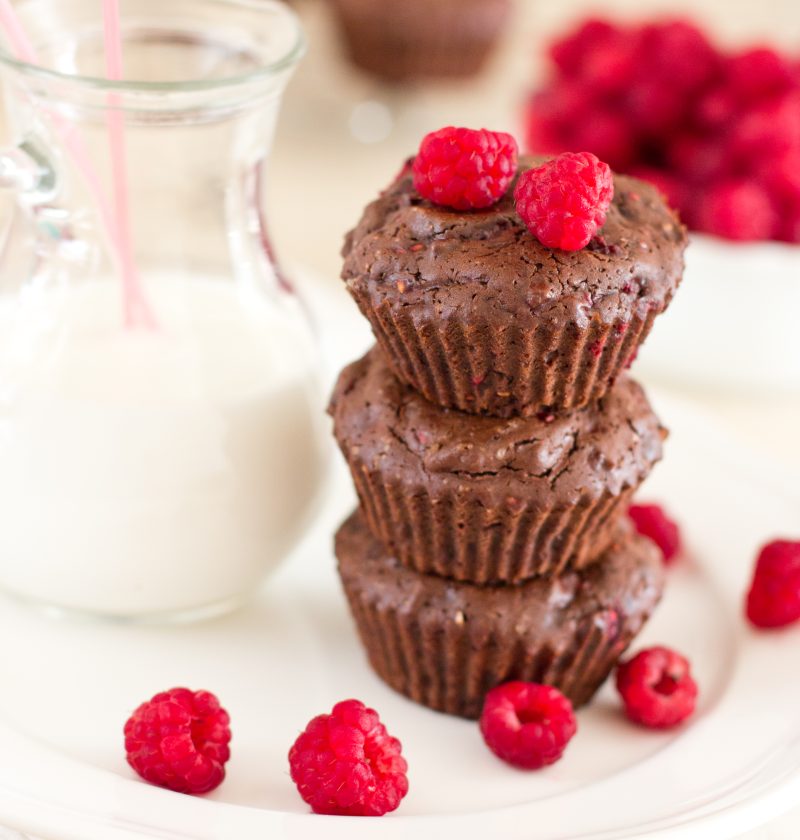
476, 368
456, 535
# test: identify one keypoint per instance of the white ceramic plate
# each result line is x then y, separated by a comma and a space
69, 685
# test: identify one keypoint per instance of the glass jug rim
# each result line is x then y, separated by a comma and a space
264, 71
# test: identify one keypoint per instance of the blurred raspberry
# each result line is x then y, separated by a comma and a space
565, 118
759, 73
739, 210
608, 67
667, 183
660, 98
774, 596
604, 134
789, 228
657, 688
698, 158
570, 52
551, 112
677, 52
770, 128
781, 174
653, 108
653, 522
716, 108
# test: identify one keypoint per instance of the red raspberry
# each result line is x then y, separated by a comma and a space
790, 228
651, 521
463, 168
346, 763
570, 52
179, 740
698, 157
758, 73
740, 210
654, 109
526, 724
609, 66
657, 688
774, 596
564, 201
676, 53
661, 96
552, 112
603, 133
782, 176
716, 108
670, 186
768, 129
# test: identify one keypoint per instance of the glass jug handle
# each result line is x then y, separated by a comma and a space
35, 223
25, 169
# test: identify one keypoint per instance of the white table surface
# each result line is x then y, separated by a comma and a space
322, 175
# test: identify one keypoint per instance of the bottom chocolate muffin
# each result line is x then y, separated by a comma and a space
445, 644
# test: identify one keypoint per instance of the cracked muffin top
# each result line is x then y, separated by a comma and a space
407, 252
386, 425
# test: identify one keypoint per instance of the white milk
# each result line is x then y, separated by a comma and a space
146, 473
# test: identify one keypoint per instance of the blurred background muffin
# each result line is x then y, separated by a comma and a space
420, 39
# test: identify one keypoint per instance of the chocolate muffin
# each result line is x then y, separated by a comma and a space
445, 644
475, 313
490, 500
419, 39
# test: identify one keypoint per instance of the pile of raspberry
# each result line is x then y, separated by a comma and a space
717, 132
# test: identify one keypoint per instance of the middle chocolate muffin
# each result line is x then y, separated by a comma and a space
490, 500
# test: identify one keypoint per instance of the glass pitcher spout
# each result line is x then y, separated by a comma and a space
174, 466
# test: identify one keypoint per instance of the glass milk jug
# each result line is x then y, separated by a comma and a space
159, 452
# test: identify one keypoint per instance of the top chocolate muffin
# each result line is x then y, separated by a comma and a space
476, 314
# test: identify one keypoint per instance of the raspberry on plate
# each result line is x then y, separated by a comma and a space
657, 688
346, 763
774, 596
179, 740
564, 201
652, 521
464, 168
527, 724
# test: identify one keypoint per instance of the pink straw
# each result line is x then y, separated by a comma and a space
22, 47
136, 308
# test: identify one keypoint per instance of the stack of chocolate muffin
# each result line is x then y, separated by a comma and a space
495, 442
